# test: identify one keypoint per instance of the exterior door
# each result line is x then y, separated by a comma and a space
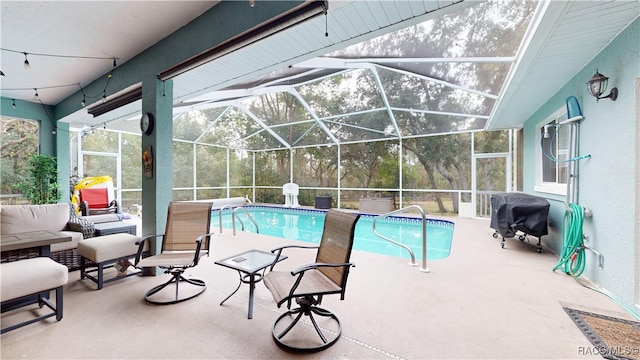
491, 173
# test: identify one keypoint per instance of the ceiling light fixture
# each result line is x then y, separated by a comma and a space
597, 85
285, 21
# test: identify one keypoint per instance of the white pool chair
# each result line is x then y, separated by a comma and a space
291, 192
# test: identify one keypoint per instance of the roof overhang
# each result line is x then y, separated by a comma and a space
563, 38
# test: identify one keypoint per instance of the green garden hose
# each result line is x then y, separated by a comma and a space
572, 258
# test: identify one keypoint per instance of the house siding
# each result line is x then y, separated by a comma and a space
608, 182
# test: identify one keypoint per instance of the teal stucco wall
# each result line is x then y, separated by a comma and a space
607, 182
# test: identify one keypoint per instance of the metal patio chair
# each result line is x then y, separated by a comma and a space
185, 241
309, 283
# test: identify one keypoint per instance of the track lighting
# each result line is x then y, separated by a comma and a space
26, 62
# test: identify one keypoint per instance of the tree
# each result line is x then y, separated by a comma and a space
18, 140
42, 186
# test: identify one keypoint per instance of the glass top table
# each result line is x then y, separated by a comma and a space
249, 264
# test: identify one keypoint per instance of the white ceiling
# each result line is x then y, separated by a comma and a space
108, 29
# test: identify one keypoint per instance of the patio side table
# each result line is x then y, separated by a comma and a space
248, 264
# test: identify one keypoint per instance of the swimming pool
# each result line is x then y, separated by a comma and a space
306, 225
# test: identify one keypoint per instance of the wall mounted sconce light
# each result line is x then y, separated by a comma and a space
598, 85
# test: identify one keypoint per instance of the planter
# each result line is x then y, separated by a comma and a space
323, 202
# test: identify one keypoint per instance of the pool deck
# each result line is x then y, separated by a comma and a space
483, 302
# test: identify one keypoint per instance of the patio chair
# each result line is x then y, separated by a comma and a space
290, 192
96, 196
185, 241
309, 283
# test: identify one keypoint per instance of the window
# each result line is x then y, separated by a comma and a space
553, 155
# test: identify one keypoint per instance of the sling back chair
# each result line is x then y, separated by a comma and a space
309, 283
96, 195
184, 242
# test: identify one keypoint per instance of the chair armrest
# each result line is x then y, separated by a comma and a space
114, 204
304, 268
140, 244
84, 208
279, 252
300, 271
199, 241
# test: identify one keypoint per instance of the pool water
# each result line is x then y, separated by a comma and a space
306, 225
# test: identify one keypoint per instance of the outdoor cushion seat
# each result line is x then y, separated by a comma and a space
35, 277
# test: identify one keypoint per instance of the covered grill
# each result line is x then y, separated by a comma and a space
513, 212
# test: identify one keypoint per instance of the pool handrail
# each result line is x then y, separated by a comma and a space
240, 220
424, 235
220, 215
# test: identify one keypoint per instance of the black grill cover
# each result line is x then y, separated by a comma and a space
511, 212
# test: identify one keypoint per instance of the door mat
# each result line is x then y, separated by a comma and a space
612, 338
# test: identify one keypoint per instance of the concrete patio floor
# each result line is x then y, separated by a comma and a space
483, 302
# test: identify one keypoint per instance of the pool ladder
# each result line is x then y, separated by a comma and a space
424, 235
234, 217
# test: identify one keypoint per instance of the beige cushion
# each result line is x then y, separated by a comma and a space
103, 218
29, 276
109, 247
22, 218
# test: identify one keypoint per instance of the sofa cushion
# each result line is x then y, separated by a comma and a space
22, 218
102, 218
76, 237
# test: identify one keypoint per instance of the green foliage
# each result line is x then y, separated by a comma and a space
18, 140
42, 186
